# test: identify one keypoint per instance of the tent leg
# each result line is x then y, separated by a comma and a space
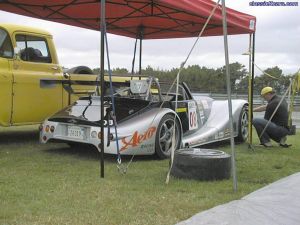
101, 145
251, 89
140, 65
229, 96
133, 60
250, 95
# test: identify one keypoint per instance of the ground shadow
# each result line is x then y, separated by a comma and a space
91, 153
215, 145
19, 137
66, 150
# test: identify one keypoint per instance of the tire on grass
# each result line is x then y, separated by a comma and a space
201, 164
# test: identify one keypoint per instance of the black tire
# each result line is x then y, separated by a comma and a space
243, 125
80, 70
164, 134
201, 164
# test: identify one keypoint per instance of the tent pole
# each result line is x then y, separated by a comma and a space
250, 94
141, 41
133, 60
229, 96
252, 70
251, 64
140, 66
101, 145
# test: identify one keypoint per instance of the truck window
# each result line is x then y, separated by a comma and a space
6, 50
33, 49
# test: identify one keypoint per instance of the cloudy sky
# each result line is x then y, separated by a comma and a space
277, 43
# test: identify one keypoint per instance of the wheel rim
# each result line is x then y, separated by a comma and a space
166, 134
244, 125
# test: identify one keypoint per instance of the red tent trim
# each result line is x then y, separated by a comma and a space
146, 19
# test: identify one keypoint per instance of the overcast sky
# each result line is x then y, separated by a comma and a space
277, 43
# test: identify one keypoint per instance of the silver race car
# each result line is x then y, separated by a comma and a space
146, 117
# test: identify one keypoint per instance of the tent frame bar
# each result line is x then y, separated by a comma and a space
228, 84
101, 145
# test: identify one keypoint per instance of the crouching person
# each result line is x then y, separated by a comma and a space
277, 128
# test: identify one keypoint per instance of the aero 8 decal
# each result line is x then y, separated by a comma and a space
193, 123
137, 138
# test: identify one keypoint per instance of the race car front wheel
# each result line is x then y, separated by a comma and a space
243, 125
164, 136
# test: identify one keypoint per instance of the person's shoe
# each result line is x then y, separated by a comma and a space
267, 144
285, 145
283, 141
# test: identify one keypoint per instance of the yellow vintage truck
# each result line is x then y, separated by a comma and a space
28, 56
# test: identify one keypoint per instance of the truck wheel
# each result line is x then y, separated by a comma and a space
164, 135
80, 70
201, 164
243, 126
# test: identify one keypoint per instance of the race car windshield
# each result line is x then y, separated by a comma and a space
139, 86
144, 89
118, 89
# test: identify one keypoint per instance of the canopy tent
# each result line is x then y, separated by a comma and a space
141, 19
146, 19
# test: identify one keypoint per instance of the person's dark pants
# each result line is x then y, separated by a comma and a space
273, 131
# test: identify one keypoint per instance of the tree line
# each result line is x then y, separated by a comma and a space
213, 80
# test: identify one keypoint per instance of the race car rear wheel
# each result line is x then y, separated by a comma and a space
243, 125
164, 135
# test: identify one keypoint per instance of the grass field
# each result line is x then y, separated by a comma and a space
53, 184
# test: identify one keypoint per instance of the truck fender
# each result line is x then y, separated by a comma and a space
80, 70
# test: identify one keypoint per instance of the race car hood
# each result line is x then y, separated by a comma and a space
86, 110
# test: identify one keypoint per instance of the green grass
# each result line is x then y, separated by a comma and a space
53, 184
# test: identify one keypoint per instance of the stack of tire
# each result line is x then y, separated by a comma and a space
201, 164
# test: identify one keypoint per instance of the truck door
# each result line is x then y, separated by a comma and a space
6, 54
31, 103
